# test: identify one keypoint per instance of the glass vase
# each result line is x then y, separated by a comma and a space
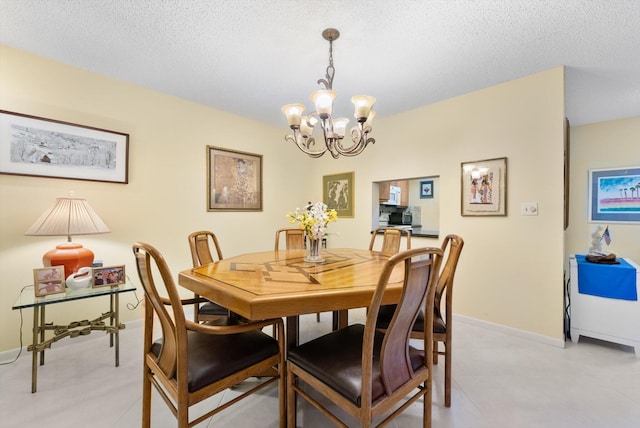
314, 251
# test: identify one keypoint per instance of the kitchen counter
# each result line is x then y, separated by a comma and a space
418, 231
424, 233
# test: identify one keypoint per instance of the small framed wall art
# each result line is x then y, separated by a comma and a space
484, 187
35, 146
614, 195
234, 180
338, 193
49, 280
426, 189
107, 276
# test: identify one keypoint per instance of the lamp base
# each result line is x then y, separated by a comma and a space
71, 255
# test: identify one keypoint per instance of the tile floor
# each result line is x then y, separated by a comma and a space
499, 381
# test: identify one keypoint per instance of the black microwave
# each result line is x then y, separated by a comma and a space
400, 218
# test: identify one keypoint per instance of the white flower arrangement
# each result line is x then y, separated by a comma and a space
313, 219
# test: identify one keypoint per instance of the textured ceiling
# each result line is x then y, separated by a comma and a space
250, 57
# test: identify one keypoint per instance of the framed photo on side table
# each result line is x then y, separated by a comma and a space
49, 280
338, 193
614, 195
35, 146
107, 276
234, 180
484, 188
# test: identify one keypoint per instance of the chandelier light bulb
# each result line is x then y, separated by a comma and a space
363, 104
293, 112
323, 100
306, 126
340, 126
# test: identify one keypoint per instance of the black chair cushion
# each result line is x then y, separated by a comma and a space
386, 314
213, 357
336, 360
213, 309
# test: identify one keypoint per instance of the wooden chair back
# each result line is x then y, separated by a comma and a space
192, 362
367, 373
391, 239
294, 238
167, 360
200, 244
451, 248
420, 278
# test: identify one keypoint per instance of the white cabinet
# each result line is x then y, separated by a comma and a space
613, 320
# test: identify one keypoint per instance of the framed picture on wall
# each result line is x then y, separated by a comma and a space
40, 147
426, 189
614, 195
234, 180
484, 187
338, 193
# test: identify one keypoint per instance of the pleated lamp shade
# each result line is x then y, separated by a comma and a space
68, 217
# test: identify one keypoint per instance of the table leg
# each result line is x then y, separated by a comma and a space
41, 328
115, 309
34, 356
341, 319
291, 333
111, 319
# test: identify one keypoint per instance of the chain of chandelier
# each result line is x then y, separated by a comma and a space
333, 130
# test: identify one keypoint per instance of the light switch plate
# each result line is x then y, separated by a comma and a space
529, 208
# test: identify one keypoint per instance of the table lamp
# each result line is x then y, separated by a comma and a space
68, 217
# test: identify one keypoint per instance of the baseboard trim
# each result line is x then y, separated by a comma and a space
558, 343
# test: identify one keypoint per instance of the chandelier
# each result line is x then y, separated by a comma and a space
333, 130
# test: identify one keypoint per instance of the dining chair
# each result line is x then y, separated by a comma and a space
442, 325
294, 240
192, 362
391, 239
365, 372
200, 244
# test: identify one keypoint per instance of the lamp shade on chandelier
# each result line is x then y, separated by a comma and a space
333, 129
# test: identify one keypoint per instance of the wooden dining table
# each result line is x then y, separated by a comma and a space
274, 284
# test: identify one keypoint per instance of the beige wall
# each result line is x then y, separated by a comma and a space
511, 268
612, 144
510, 271
165, 197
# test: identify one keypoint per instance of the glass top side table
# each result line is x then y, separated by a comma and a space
107, 321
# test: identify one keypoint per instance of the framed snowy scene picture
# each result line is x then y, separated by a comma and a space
40, 147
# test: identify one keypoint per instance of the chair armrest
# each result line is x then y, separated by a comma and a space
190, 301
233, 329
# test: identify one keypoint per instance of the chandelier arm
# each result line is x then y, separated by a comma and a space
304, 144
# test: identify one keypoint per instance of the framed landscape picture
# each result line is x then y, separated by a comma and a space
338, 192
234, 180
40, 147
614, 195
484, 187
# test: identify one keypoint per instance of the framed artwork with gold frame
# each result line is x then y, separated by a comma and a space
484, 187
338, 193
234, 180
